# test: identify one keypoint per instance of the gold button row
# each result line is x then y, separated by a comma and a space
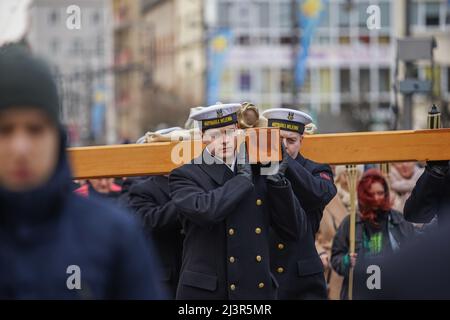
232, 232
233, 286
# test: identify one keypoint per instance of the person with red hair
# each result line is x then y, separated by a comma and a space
379, 228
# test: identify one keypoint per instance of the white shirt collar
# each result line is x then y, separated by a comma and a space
230, 166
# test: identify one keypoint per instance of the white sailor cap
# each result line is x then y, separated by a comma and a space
216, 116
287, 119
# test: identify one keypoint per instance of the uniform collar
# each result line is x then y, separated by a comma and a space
300, 159
218, 171
220, 161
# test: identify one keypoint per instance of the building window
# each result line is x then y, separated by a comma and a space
306, 88
344, 15
286, 39
76, 47
344, 40
285, 17
364, 80
243, 18
264, 15
344, 79
224, 14
364, 39
385, 15
100, 46
53, 18
54, 46
432, 13
384, 80
286, 81
244, 40
362, 15
266, 83
245, 80
226, 82
384, 39
325, 80
96, 18
325, 18
414, 13
448, 79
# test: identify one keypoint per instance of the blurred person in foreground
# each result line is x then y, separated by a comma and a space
53, 243
379, 229
418, 271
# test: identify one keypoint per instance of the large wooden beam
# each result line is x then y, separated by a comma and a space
377, 147
346, 148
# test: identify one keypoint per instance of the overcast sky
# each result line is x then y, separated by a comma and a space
13, 19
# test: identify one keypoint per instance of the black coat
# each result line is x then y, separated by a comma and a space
150, 200
420, 270
124, 198
45, 231
430, 197
401, 230
227, 221
298, 268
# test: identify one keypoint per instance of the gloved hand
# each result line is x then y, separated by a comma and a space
278, 178
243, 167
439, 168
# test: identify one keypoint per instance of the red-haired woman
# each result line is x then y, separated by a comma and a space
379, 228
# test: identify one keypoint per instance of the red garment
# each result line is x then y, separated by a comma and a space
84, 189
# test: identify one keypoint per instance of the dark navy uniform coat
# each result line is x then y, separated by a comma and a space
150, 200
227, 221
296, 264
429, 198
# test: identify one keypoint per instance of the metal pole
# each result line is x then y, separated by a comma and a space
295, 44
351, 179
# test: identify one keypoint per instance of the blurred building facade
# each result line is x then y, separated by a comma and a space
128, 66
350, 69
141, 64
429, 19
174, 60
81, 59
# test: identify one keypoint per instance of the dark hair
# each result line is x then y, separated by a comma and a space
367, 206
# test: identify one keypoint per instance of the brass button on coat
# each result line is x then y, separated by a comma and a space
231, 231
258, 230
258, 202
258, 258
261, 285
